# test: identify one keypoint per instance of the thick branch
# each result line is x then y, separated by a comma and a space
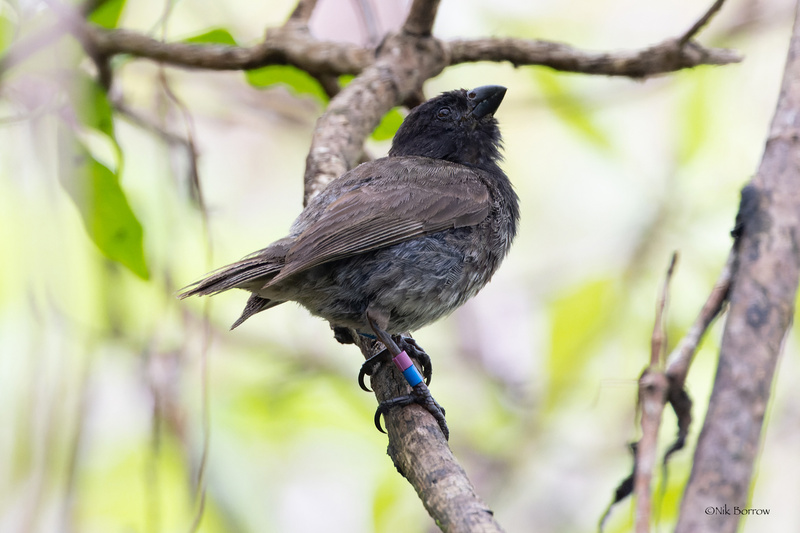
421, 454
667, 56
302, 12
289, 45
761, 307
421, 17
404, 63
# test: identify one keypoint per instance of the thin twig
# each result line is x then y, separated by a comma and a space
681, 357
658, 341
702, 21
653, 388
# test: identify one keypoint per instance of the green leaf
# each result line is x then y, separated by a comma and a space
107, 13
107, 216
7, 32
577, 318
571, 110
215, 36
299, 81
388, 126
91, 105
693, 123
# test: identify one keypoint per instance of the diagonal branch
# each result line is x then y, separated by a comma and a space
682, 355
421, 17
421, 455
403, 64
702, 21
762, 300
302, 12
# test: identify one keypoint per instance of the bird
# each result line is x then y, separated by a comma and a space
398, 242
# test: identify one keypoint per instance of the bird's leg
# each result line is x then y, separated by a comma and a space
415, 351
420, 394
406, 344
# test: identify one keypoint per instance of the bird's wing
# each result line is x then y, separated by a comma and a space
407, 197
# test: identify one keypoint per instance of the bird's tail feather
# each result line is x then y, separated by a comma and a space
237, 275
255, 304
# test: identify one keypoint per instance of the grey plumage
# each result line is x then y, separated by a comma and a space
409, 237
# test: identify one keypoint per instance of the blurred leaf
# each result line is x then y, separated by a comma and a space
345, 79
117, 488
7, 31
107, 216
299, 81
394, 508
571, 110
215, 36
107, 13
388, 126
693, 123
577, 319
91, 105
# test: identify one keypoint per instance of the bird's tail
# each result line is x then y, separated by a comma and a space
251, 272
241, 274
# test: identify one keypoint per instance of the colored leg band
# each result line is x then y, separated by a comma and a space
410, 372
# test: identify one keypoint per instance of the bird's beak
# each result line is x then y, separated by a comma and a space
485, 100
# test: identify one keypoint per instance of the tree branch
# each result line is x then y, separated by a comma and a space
667, 56
302, 12
653, 387
282, 46
761, 307
702, 21
682, 355
403, 64
421, 455
421, 17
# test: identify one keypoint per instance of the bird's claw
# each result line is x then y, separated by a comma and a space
420, 395
371, 366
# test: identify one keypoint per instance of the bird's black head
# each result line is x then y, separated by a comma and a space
457, 126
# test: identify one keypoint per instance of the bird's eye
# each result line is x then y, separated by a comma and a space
443, 112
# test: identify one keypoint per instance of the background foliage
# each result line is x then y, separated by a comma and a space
104, 375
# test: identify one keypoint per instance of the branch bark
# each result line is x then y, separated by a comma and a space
667, 56
287, 45
421, 455
293, 45
761, 307
404, 63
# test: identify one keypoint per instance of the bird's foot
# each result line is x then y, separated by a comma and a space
410, 346
371, 366
420, 395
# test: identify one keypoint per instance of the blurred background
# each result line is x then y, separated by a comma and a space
119, 401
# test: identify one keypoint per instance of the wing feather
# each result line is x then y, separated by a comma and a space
415, 196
